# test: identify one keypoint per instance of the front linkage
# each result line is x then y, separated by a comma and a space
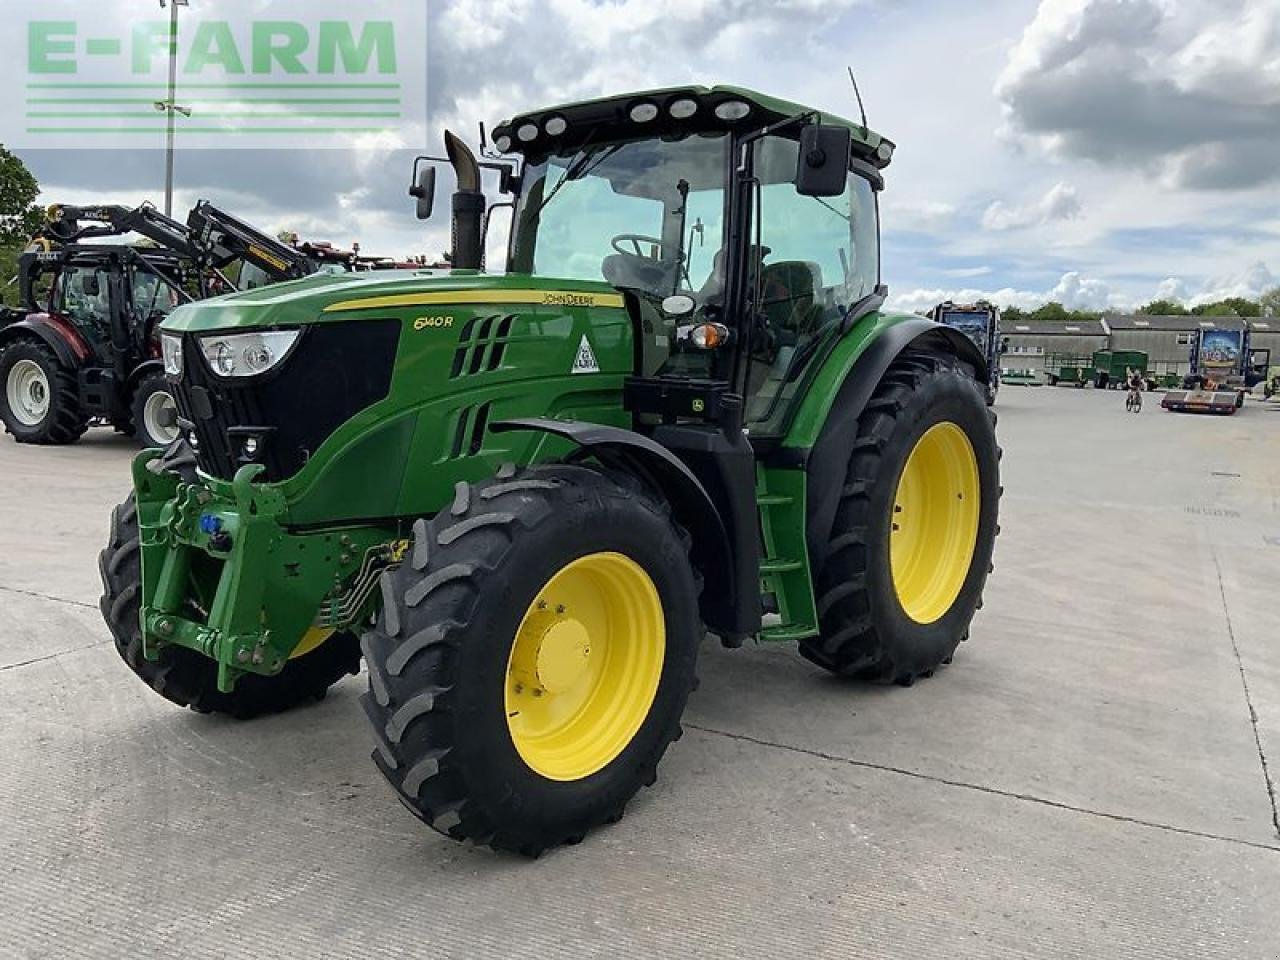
229, 580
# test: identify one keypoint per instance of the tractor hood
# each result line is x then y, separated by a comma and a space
327, 298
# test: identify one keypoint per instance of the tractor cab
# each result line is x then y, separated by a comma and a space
652, 195
114, 297
980, 322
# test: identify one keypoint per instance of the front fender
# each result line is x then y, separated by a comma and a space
691, 505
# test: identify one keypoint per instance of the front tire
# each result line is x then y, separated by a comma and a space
155, 414
39, 397
533, 657
189, 679
915, 529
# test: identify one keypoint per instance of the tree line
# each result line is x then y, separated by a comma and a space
1267, 305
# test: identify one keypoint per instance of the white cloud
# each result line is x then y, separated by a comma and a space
926, 216
1073, 291
1249, 283
1188, 89
1171, 288
1060, 203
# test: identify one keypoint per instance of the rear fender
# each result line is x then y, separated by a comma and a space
66, 343
826, 462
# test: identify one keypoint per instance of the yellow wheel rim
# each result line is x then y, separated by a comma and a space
585, 666
312, 639
935, 523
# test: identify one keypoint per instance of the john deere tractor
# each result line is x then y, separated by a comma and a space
523, 499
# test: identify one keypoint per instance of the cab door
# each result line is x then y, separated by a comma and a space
816, 259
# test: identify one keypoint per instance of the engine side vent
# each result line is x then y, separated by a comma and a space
468, 431
481, 345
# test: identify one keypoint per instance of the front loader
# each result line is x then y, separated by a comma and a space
524, 499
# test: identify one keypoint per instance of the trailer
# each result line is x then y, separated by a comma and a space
1066, 370
1111, 368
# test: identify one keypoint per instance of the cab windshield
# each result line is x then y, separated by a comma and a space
646, 216
972, 325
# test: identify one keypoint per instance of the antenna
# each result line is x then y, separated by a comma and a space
858, 93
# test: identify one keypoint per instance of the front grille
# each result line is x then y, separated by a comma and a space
335, 371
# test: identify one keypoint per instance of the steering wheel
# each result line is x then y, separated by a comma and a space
636, 239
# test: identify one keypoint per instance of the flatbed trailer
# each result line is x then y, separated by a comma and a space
1224, 402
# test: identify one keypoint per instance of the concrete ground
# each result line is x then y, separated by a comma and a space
1089, 779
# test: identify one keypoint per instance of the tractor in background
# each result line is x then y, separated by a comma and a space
524, 498
980, 322
85, 345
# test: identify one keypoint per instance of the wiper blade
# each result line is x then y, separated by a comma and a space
579, 167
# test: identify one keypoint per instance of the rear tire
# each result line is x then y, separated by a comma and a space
189, 679
39, 397
866, 630
444, 683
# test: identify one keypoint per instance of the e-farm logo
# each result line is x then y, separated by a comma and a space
223, 73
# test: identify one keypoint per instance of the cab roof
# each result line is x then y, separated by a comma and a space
566, 126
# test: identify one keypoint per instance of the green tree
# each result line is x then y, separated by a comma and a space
1163, 308
19, 219
1230, 307
1050, 311
1269, 303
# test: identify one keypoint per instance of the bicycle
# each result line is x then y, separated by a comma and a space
1133, 402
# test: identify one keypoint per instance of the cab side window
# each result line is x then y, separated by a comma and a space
818, 258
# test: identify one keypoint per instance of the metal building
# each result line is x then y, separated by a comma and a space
1165, 340
1029, 341
1265, 335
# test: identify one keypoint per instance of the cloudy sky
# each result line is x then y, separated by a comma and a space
1096, 152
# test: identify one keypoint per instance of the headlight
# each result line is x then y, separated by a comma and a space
247, 354
732, 110
171, 350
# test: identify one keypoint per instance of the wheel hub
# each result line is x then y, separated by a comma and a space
934, 529
585, 666
160, 414
563, 655
27, 392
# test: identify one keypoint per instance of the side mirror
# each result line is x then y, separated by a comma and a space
823, 170
424, 190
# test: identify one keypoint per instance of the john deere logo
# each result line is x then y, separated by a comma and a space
585, 361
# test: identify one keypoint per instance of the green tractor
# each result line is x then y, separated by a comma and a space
524, 499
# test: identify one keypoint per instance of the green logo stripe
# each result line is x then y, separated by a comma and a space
384, 100
184, 85
219, 130
243, 115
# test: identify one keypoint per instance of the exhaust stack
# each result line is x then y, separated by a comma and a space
468, 206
